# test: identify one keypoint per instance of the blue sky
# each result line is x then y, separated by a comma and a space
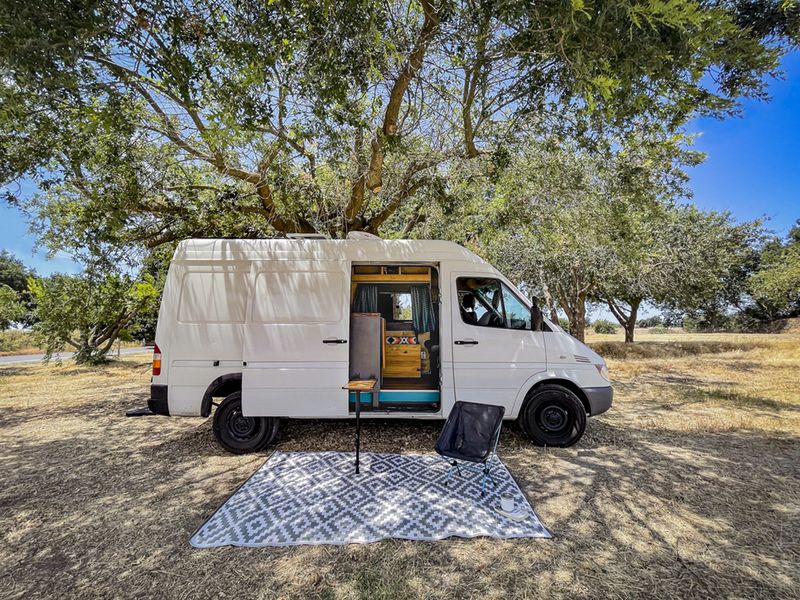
752, 169
752, 166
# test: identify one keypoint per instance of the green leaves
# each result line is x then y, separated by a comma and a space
141, 124
87, 313
12, 309
775, 286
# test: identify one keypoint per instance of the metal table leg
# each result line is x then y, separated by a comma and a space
358, 427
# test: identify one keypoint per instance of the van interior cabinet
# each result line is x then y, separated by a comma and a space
402, 352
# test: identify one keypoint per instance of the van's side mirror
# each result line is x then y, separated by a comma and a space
536, 317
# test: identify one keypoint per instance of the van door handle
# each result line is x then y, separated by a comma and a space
466, 342
334, 341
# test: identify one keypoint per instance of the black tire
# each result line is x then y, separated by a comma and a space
239, 434
553, 416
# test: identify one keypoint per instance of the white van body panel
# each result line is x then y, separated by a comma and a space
261, 310
288, 370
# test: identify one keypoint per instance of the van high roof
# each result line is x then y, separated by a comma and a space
366, 250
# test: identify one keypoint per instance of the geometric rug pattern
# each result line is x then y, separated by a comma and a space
316, 498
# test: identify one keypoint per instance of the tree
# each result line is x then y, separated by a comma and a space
152, 122
637, 268
12, 309
88, 312
678, 257
545, 226
775, 285
709, 258
586, 232
574, 227
13, 273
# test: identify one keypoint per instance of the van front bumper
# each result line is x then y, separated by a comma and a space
599, 399
158, 399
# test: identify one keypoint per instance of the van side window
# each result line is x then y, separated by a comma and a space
298, 297
480, 301
487, 302
518, 315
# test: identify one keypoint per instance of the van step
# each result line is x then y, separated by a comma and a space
142, 411
386, 409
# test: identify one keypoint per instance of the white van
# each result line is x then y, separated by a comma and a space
266, 329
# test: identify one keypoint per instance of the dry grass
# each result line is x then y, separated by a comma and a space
17, 342
688, 488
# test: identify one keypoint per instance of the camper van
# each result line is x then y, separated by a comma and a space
257, 331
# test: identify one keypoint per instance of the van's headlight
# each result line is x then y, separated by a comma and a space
603, 370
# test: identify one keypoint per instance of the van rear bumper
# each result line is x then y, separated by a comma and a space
158, 399
599, 399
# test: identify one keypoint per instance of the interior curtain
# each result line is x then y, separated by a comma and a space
366, 300
422, 309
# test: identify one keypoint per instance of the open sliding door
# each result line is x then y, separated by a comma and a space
295, 342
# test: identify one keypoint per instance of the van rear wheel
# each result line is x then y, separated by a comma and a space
553, 416
239, 434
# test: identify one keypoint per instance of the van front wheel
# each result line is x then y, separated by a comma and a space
239, 434
553, 416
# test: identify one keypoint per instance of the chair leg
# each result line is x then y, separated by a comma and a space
487, 476
450, 472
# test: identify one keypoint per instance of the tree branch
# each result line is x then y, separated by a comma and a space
407, 190
412, 66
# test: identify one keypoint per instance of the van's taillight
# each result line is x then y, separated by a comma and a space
156, 360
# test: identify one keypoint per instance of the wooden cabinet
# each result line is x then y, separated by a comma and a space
402, 357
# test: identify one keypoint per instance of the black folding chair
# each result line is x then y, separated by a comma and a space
471, 434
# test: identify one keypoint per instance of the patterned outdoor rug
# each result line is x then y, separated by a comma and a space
316, 498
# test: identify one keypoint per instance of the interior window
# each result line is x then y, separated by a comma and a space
518, 315
401, 310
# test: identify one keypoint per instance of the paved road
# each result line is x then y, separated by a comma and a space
32, 358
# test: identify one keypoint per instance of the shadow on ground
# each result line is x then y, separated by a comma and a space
98, 505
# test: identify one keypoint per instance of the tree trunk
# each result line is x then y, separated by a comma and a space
628, 321
577, 324
88, 354
548, 298
576, 314
631, 324
553, 312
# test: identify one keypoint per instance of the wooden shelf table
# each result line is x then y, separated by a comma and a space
358, 386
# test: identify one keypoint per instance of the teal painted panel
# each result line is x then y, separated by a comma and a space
398, 396
366, 398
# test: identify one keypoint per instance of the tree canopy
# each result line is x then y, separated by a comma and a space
145, 122
13, 272
549, 135
12, 309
